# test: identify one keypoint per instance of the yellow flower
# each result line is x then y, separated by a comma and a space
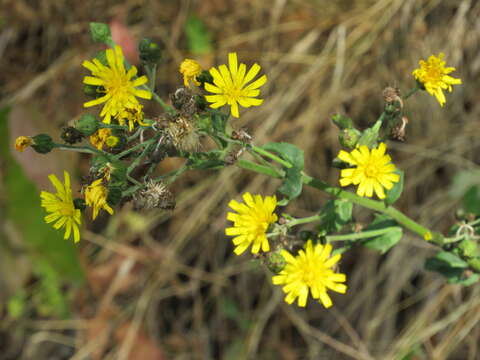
310, 272
190, 69
119, 86
434, 76
251, 222
96, 197
373, 170
61, 207
22, 142
230, 85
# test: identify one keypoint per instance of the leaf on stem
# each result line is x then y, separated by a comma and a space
386, 241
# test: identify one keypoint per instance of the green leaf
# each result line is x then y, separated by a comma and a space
287, 152
451, 260
199, 40
292, 184
100, 32
471, 200
451, 267
464, 181
386, 241
335, 215
23, 209
394, 193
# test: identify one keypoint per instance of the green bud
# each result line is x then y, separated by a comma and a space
42, 143
275, 261
342, 122
306, 235
469, 248
90, 90
204, 123
348, 138
340, 164
150, 52
475, 264
369, 137
100, 32
71, 135
79, 203
114, 195
205, 77
102, 57
87, 124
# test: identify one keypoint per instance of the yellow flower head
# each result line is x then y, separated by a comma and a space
251, 222
99, 138
96, 197
61, 207
434, 76
22, 142
310, 272
119, 86
230, 85
190, 69
373, 170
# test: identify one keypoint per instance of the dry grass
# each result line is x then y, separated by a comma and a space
171, 282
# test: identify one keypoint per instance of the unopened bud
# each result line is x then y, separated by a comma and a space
150, 52
342, 122
87, 124
22, 142
275, 261
349, 138
71, 135
469, 248
42, 143
100, 32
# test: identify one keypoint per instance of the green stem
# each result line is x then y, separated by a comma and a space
379, 206
269, 155
410, 93
134, 148
360, 235
112, 126
159, 100
261, 169
81, 149
304, 220
152, 75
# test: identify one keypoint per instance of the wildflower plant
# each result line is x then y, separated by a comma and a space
126, 145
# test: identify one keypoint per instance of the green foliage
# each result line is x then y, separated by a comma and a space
452, 267
206, 160
199, 40
292, 184
386, 241
394, 193
335, 215
466, 186
16, 304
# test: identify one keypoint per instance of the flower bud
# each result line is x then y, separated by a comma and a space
100, 32
342, 122
71, 135
150, 52
87, 124
114, 195
349, 138
275, 261
42, 143
79, 203
469, 248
